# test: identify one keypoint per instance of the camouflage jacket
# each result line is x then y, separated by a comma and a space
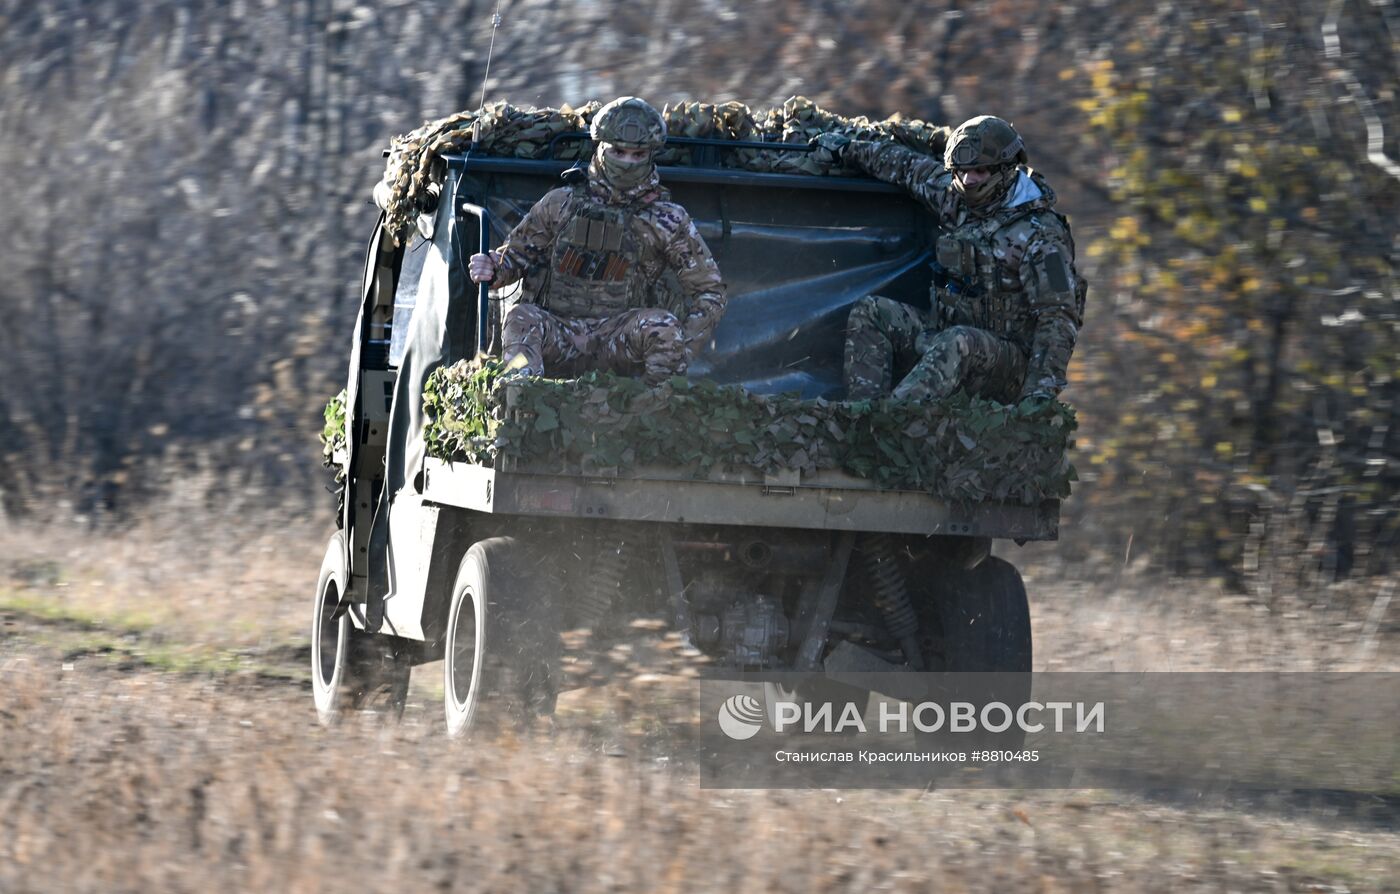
587, 251
1010, 271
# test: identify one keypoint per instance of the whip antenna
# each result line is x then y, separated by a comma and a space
490, 50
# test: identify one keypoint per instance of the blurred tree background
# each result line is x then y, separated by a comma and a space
186, 192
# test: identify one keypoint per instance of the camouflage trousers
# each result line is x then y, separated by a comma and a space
646, 340
891, 349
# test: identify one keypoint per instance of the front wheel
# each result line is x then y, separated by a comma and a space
501, 641
351, 669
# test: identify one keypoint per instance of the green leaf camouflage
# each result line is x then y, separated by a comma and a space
333, 432
962, 449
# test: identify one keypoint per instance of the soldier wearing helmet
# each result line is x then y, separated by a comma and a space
592, 255
1006, 302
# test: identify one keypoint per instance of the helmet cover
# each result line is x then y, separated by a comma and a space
629, 122
985, 142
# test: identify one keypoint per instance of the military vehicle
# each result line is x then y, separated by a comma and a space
482, 567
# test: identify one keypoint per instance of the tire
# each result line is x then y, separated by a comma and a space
502, 641
983, 618
350, 669
978, 622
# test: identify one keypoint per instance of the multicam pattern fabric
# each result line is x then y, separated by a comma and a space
892, 349
644, 340
590, 252
629, 121
1007, 273
984, 141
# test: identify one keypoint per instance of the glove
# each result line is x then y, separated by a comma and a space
828, 148
1033, 402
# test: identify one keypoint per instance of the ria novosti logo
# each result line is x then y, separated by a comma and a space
741, 717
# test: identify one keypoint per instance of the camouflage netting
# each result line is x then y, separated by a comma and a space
963, 450
333, 432
415, 169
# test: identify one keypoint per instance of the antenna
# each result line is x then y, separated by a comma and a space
490, 50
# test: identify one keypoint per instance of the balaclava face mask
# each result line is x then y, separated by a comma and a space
621, 175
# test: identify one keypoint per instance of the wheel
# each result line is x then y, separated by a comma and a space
966, 552
983, 620
978, 622
351, 669
502, 641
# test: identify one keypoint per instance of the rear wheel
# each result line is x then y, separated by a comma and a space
351, 669
981, 618
976, 624
502, 639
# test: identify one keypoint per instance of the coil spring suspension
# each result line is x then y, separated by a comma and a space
603, 583
891, 596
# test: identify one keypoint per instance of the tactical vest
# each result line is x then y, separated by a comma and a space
972, 286
593, 269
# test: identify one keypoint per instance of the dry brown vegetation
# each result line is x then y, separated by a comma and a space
141, 782
187, 190
157, 736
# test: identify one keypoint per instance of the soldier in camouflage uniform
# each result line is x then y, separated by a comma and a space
592, 255
1006, 304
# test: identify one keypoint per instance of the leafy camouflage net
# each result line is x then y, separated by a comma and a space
333, 432
963, 449
415, 168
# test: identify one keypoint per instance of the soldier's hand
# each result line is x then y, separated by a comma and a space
1033, 402
829, 148
482, 267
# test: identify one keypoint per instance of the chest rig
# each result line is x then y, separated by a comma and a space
593, 266
975, 285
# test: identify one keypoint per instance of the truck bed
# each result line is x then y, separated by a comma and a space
825, 501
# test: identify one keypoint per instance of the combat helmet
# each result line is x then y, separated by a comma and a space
985, 141
629, 122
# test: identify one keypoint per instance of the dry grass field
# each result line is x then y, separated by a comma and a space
156, 735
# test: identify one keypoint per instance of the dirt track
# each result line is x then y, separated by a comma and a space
117, 775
